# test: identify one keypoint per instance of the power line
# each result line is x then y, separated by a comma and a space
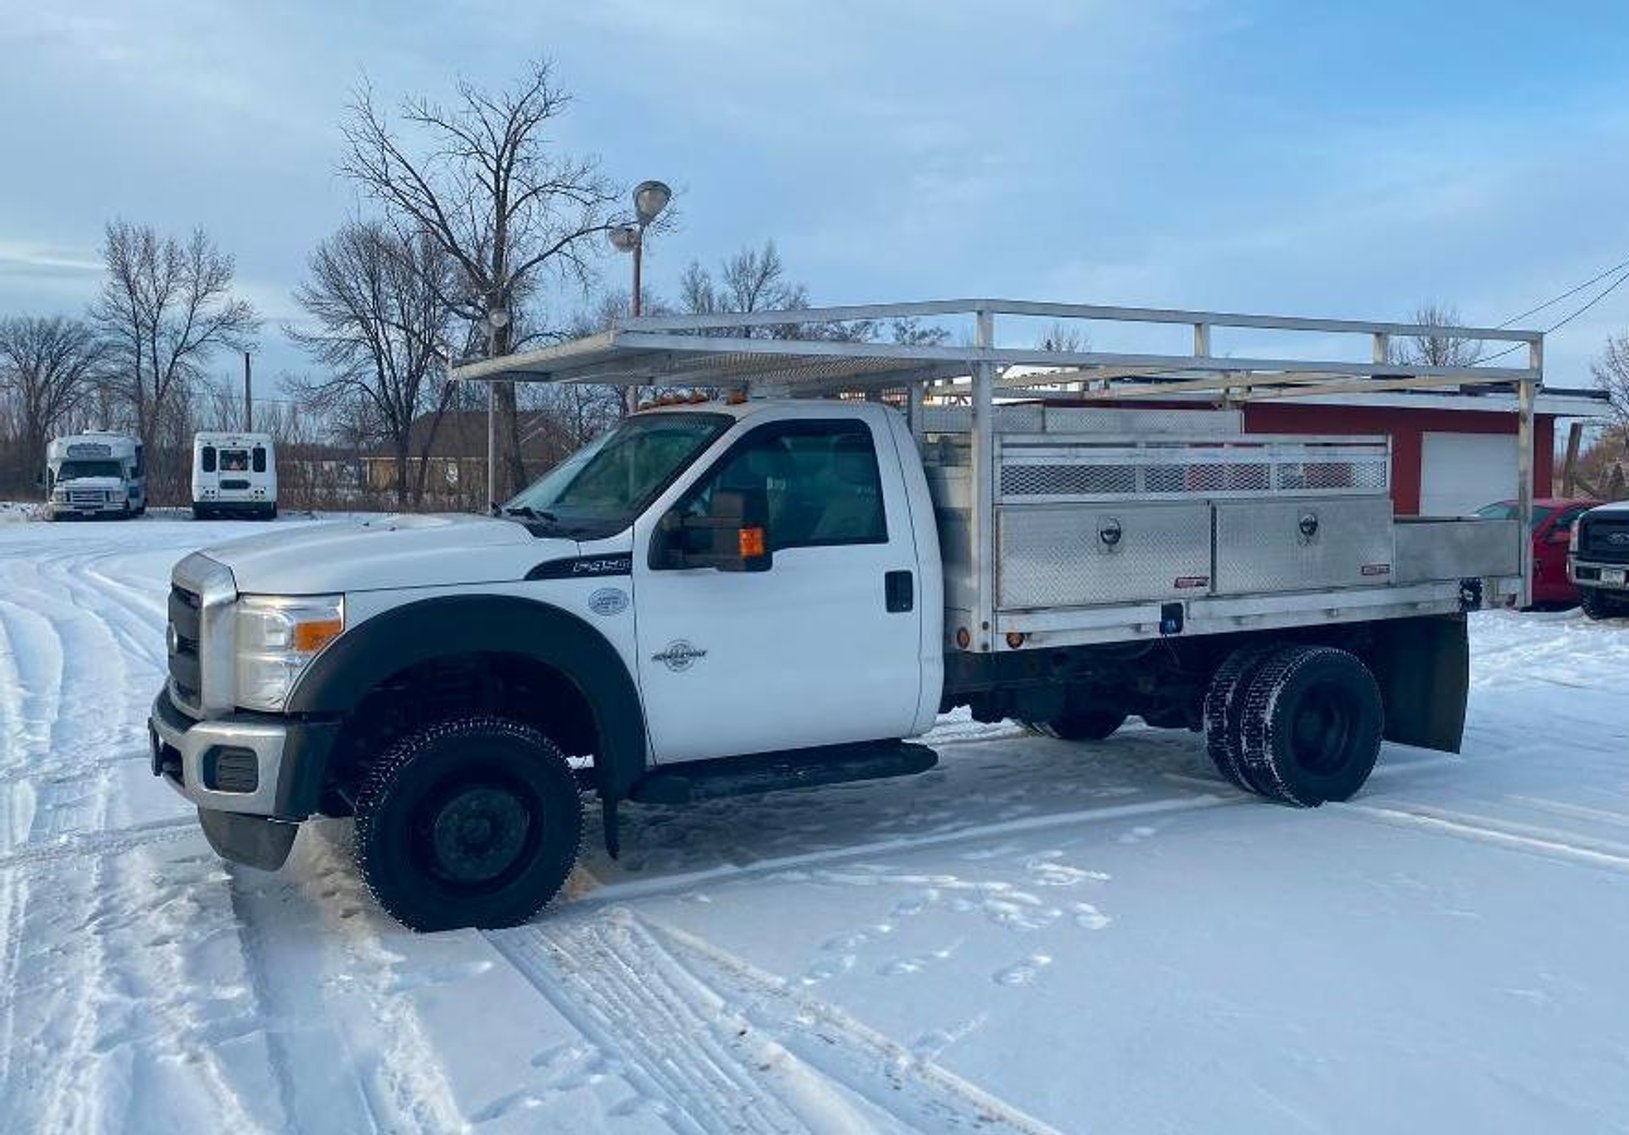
1564, 295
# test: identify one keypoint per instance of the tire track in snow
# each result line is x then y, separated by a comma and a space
916, 1091
747, 1054
1499, 833
607, 977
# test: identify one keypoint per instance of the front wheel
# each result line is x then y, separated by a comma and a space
472, 822
1598, 604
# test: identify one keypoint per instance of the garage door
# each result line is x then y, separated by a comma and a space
1459, 473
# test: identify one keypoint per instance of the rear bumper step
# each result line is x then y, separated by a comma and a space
769, 772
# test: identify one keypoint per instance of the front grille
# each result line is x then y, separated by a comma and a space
87, 497
186, 671
1604, 538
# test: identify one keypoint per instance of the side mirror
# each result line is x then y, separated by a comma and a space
733, 536
1559, 536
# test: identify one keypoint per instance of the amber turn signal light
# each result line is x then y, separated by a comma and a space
312, 637
752, 543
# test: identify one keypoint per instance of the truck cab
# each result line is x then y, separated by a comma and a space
95, 474
1598, 561
780, 556
234, 475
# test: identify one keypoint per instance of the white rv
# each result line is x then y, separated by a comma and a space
234, 474
95, 474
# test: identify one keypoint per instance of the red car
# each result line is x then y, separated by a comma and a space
1553, 518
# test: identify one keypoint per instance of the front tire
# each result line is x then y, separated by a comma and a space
1311, 726
1598, 604
472, 822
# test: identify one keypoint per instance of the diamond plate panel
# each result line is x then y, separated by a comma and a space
1263, 545
1070, 555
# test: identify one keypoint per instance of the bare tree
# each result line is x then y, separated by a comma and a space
490, 188
47, 366
754, 279
381, 325
164, 310
1436, 350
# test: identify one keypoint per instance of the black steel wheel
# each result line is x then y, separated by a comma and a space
473, 822
1311, 725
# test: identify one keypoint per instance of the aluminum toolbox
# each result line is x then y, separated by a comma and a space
1303, 544
1071, 555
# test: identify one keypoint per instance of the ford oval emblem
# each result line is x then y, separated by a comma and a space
608, 601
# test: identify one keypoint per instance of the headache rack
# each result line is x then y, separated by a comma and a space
1081, 518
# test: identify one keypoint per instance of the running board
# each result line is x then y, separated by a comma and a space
769, 772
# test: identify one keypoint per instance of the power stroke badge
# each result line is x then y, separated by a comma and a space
678, 655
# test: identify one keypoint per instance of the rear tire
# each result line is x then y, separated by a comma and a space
1085, 724
1597, 604
200, 512
472, 822
1311, 725
1224, 704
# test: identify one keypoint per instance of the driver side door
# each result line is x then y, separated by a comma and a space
819, 649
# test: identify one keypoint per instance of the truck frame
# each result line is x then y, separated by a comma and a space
1119, 548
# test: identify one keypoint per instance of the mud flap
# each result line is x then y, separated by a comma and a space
254, 841
1423, 667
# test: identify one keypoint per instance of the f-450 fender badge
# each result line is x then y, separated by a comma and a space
678, 655
608, 601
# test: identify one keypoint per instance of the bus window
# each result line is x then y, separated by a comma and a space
208, 461
260, 459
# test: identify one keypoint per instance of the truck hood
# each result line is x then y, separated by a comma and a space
111, 484
386, 553
1614, 509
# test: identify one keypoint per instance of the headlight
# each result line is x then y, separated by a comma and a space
276, 640
1572, 537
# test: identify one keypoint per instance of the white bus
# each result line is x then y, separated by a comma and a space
95, 474
234, 474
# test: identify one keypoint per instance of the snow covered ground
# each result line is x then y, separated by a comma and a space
1034, 936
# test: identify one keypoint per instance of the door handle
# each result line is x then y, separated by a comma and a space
899, 591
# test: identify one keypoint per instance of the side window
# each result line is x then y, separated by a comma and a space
260, 459
819, 479
208, 462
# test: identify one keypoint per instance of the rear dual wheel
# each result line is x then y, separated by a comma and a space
1298, 724
1080, 724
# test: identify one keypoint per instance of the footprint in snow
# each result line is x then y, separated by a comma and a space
1138, 834
1088, 917
1024, 972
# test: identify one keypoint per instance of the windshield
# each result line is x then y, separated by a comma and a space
1507, 510
74, 469
601, 488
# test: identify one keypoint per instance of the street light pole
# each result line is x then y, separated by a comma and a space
649, 199
496, 320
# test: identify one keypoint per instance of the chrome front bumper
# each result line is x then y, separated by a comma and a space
242, 764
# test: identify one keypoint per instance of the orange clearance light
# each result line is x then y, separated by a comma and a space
736, 397
963, 638
312, 637
1015, 639
752, 543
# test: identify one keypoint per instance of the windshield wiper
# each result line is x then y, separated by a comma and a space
531, 513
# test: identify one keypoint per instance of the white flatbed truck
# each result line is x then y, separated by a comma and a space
780, 588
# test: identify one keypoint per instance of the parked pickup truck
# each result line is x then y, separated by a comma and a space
748, 594
1598, 561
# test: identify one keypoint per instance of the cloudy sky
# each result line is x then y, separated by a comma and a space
1332, 158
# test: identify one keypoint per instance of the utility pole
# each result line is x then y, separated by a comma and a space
248, 397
